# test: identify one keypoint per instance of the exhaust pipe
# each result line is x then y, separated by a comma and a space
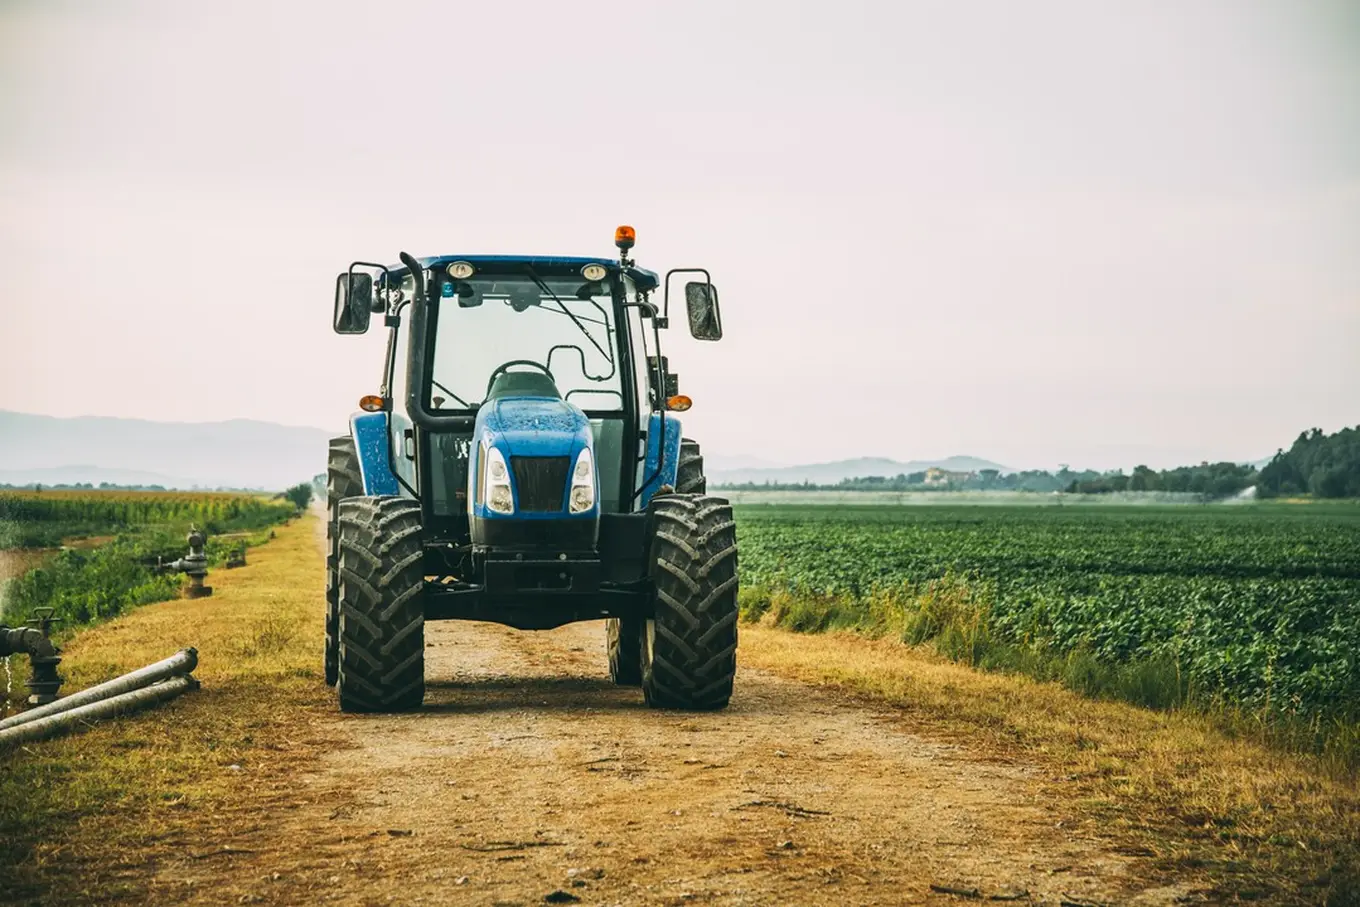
182, 662
51, 725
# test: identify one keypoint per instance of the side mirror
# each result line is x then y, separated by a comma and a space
353, 302
701, 302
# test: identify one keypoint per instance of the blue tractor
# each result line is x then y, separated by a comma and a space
521, 463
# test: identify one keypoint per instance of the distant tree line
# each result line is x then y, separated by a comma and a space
81, 486
1218, 480
1036, 480
1326, 466
114, 486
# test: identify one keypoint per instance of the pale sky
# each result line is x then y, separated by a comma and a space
1040, 232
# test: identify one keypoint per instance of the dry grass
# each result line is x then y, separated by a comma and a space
80, 815
955, 616
93, 818
1255, 821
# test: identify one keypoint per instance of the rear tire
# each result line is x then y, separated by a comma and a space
625, 650
382, 607
689, 476
689, 649
343, 480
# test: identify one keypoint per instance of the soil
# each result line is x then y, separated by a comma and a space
15, 562
529, 778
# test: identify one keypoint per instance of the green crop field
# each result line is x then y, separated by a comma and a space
36, 519
1255, 607
124, 533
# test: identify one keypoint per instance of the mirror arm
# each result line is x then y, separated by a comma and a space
666, 296
393, 319
661, 406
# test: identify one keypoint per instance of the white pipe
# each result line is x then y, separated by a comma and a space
182, 662
52, 725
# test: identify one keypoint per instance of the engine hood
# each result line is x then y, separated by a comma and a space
534, 426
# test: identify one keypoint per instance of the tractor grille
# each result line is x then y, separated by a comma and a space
541, 482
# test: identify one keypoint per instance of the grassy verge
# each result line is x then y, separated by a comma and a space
955, 618
1174, 785
79, 815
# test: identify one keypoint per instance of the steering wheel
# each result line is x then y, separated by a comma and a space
505, 367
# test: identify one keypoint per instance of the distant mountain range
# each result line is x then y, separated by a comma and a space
240, 453
831, 473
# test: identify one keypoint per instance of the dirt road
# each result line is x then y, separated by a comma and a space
528, 778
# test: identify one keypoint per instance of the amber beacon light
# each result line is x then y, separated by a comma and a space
624, 237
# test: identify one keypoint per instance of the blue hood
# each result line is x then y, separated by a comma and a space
534, 426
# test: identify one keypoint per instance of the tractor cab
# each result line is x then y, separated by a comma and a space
525, 429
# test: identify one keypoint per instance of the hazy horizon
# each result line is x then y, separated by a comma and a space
719, 460
1035, 235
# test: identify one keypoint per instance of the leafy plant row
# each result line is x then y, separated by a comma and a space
1254, 605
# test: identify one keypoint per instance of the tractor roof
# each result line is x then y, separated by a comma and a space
543, 265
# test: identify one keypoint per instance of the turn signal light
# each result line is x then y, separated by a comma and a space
624, 237
679, 403
371, 403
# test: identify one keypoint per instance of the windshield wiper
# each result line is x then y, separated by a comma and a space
451, 394
609, 328
579, 326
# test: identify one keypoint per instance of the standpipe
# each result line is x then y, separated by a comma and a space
34, 640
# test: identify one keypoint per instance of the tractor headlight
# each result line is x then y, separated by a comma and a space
497, 494
582, 496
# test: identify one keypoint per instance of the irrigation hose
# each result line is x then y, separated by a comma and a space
52, 725
182, 662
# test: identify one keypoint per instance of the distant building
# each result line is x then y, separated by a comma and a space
937, 476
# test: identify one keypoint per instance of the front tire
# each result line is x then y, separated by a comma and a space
343, 480
689, 649
382, 608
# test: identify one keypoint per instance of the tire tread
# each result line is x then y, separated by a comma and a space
382, 609
694, 638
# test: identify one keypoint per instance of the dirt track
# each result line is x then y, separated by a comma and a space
528, 775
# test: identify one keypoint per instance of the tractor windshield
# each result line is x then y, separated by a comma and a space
556, 328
